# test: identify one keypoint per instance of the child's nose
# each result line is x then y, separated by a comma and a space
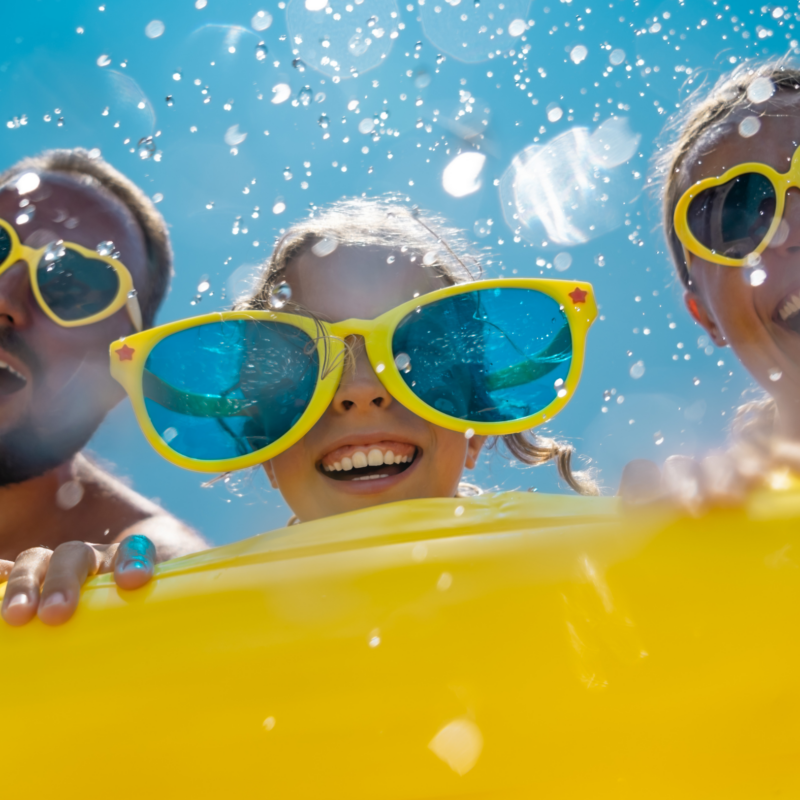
360, 388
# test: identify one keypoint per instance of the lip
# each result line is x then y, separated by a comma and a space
18, 365
376, 485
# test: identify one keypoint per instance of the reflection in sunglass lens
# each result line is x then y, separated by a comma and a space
5, 245
733, 218
492, 355
226, 389
75, 287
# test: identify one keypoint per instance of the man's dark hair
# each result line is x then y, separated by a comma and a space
93, 169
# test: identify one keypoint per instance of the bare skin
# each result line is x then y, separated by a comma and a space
358, 282
737, 314
68, 386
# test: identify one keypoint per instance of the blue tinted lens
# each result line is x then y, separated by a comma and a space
75, 287
491, 355
226, 389
5, 244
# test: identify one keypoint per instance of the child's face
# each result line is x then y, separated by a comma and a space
359, 282
749, 317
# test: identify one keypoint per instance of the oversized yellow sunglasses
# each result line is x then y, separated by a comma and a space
233, 389
733, 218
72, 284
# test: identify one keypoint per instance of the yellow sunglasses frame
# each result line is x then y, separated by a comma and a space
126, 295
129, 356
781, 182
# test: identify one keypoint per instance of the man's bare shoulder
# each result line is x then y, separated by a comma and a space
127, 512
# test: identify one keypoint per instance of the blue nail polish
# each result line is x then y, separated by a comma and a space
135, 564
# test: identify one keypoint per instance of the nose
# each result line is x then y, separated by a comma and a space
360, 390
15, 296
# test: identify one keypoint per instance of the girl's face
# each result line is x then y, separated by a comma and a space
364, 422
757, 321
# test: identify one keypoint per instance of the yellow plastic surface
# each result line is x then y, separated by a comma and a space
509, 646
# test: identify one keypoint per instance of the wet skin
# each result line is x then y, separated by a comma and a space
357, 282
722, 299
68, 387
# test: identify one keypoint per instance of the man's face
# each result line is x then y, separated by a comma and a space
55, 386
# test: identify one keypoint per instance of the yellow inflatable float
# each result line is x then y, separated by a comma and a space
507, 646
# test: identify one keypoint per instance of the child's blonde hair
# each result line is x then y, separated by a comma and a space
385, 222
701, 112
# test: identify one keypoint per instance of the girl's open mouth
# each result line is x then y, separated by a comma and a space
368, 462
11, 381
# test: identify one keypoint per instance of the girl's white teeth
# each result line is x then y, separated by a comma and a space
790, 307
368, 477
360, 459
11, 369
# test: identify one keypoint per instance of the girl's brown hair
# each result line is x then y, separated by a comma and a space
700, 113
437, 246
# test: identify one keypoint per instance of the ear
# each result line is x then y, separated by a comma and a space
474, 447
270, 474
702, 316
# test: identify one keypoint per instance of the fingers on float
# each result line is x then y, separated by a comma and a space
71, 564
134, 562
24, 580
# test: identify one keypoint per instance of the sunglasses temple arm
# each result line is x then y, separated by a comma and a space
134, 309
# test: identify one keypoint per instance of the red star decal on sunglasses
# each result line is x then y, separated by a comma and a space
578, 295
125, 353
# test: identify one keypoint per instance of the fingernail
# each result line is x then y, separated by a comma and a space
55, 599
18, 600
134, 564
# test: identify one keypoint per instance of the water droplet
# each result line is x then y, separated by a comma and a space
198, 4
27, 183
658, 437
517, 27
422, 79
269, 723
554, 112
403, 362
304, 96
757, 277
203, 286
316, 5
26, 215
324, 247
600, 260
261, 51
366, 125
749, 126
280, 295
445, 582
760, 90
54, 251
562, 261
176, 76
459, 511
69, 494
323, 121
483, 228
358, 44
616, 56
287, 174
279, 207
281, 92
374, 641
430, 258
234, 137
637, 370
469, 433
103, 61
105, 248
462, 175
168, 98
154, 29
775, 374
169, 434
146, 147
578, 53
158, 197
261, 20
